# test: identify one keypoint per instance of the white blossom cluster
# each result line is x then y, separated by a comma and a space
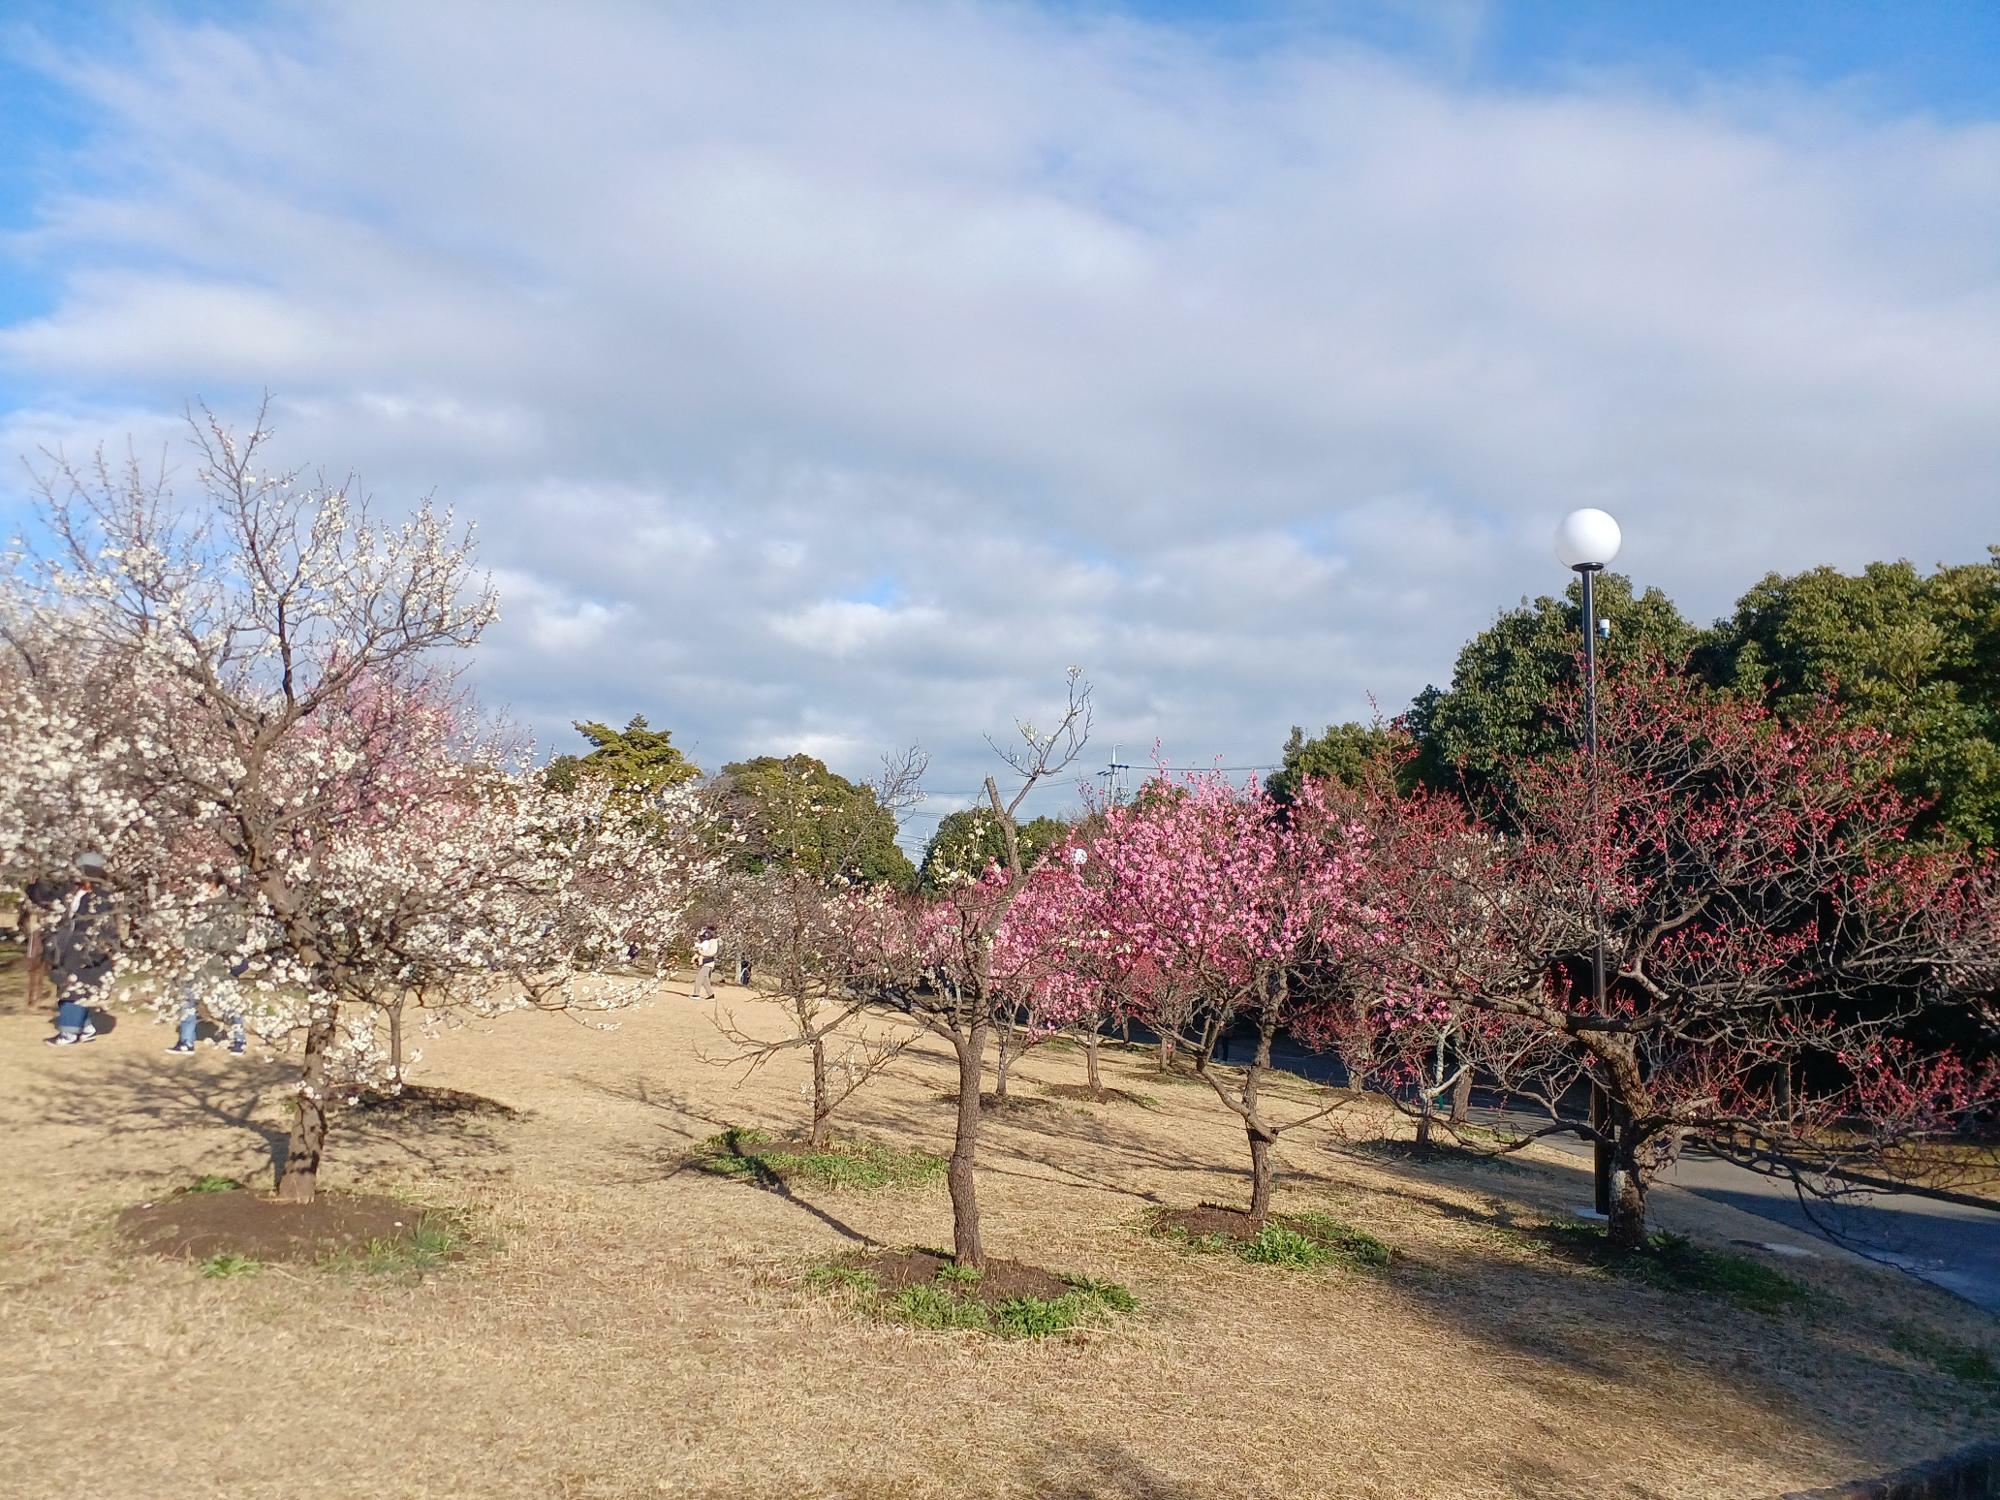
241, 701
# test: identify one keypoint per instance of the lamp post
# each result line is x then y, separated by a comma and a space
1586, 542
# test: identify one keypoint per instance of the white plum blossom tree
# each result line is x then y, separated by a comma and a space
295, 752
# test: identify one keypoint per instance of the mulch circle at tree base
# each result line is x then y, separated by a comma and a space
992, 1103
1211, 1218
418, 1100
895, 1269
198, 1225
1084, 1094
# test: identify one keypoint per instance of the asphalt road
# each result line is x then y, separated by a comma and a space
1947, 1244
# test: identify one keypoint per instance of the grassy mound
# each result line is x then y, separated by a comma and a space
230, 1231
1674, 1263
924, 1289
1968, 1364
1300, 1240
1083, 1093
842, 1162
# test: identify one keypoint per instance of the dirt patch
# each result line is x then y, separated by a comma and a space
424, 1102
1086, 1094
895, 1269
1299, 1240
754, 1146
1211, 1218
991, 1103
258, 1226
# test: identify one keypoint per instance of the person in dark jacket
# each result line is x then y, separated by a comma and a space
79, 948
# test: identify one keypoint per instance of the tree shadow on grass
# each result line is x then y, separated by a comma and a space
1104, 1470
147, 1099
1560, 1316
752, 1170
640, 1090
663, 1162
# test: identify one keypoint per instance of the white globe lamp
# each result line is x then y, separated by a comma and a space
1587, 540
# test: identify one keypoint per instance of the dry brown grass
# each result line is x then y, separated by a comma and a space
634, 1329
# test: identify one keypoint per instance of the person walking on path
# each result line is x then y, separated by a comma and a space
210, 937
79, 947
706, 948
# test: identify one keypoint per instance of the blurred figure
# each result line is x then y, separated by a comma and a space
706, 948
79, 946
211, 937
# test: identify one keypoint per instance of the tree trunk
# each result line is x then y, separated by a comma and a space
396, 1044
1166, 1052
1358, 1063
817, 1136
1090, 1060
1424, 1126
31, 942
1003, 1056
966, 1248
1461, 1095
1260, 1173
1261, 1137
1626, 1229
302, 1152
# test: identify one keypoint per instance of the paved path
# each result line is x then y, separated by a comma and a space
1948, 1244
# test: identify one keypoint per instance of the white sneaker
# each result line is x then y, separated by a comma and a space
88, 1034
183, 1051
62, 1039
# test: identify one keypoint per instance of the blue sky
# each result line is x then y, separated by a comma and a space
833, 377
1936, 57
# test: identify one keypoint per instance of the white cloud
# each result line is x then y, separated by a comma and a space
1254, 382
850, 627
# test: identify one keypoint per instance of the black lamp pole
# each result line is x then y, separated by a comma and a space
1600, 1104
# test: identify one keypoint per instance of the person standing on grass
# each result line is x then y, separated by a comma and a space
79, 947
211, 935
706, 948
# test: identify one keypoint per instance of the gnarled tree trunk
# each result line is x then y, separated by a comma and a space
1261, 1142
1262, 1137
1461, 1095
302, 1152
1627, 1227
1090, 1060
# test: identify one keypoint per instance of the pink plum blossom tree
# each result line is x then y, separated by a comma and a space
1234, 903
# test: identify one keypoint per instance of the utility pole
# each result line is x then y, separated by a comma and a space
1110, 776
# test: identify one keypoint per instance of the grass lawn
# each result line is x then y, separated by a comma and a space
609, 1320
